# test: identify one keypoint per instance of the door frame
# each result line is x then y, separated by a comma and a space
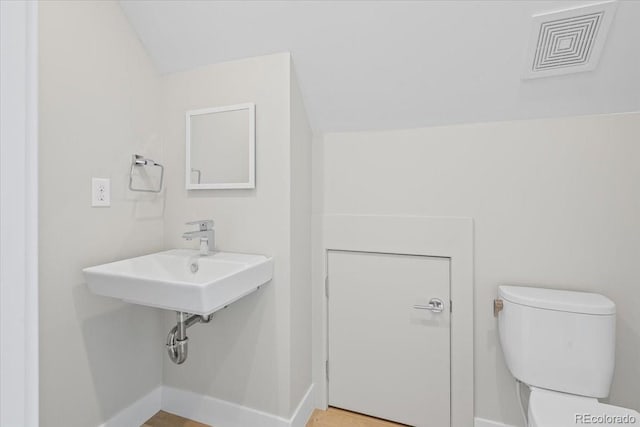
19, 214
406, 235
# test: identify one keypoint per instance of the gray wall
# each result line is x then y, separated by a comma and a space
99, 97
555, 203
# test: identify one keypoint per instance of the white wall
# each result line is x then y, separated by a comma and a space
555, 202
252, 351
19, 356
99, 104
300, 160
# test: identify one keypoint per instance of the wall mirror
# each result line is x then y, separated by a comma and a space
221, 147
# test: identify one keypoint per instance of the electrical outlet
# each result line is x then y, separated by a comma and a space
100, 192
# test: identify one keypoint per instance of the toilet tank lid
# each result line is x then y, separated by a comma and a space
559, 300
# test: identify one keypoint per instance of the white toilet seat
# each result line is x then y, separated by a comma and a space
554, 409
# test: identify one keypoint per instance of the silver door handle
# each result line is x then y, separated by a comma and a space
435, 304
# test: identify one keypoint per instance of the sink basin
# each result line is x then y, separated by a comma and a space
181, 279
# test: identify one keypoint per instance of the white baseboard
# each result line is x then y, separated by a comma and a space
305, 409
138, 412
210, 410
481, 422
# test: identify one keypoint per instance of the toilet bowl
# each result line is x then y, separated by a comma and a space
554, 409
561, 344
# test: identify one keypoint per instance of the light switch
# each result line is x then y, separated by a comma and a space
100, 192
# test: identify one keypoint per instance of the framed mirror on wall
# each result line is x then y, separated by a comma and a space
220, 147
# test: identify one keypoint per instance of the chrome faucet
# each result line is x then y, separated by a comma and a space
206, 234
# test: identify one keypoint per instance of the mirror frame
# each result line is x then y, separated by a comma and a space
251, 183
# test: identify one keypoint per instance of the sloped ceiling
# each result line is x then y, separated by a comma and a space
367, 65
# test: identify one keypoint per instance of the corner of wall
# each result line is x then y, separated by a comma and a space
300, 309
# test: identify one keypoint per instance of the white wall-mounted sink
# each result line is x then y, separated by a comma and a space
181, 279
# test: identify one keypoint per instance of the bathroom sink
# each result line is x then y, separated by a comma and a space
181, 279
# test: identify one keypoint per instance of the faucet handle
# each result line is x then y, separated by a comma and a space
204, 224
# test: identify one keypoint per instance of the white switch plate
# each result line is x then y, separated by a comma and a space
100, 192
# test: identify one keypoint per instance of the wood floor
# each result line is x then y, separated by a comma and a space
165, 419
333, 417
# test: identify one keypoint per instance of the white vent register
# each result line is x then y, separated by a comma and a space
568, 41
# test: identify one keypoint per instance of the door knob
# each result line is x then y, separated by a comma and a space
435, 305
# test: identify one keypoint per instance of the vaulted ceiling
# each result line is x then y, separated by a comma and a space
367, 65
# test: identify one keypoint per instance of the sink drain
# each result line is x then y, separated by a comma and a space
194, 267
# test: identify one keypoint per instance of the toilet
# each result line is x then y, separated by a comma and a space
562, 345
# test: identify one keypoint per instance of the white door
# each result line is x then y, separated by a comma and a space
388, 351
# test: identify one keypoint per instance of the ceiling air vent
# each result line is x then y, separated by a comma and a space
568, 41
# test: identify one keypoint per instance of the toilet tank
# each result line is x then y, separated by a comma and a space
558, 340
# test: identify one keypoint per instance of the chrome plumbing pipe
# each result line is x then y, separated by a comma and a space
177, 340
